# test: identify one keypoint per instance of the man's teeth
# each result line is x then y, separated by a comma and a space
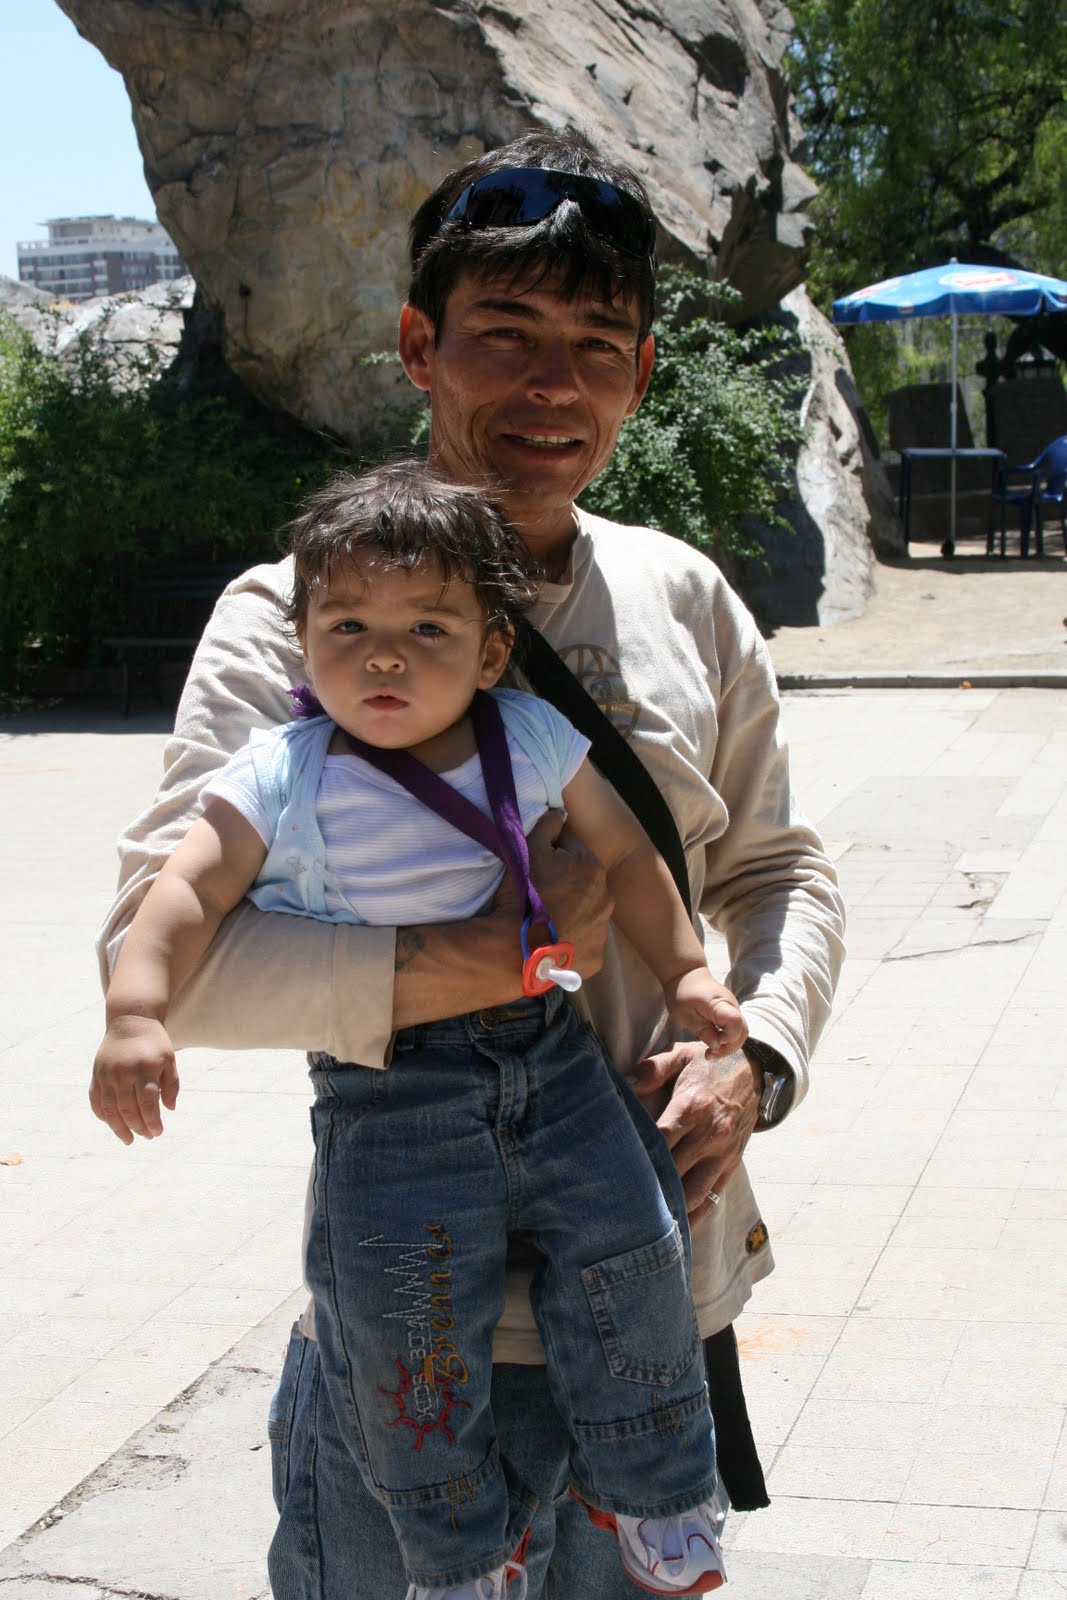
546, 441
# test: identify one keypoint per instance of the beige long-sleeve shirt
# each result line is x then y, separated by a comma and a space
670, 653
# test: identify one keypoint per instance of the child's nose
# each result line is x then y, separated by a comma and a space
384, 656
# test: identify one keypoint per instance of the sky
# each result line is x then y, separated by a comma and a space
67, 145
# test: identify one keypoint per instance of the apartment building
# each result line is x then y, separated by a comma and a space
88, 256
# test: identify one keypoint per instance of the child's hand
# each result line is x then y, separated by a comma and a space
708, 1010
133, 1072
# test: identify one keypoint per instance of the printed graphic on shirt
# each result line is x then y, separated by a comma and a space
597, 670
430, 1370
756, 1238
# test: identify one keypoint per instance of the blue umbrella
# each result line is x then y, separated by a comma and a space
958, 290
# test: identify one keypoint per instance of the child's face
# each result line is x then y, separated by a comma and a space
395, 657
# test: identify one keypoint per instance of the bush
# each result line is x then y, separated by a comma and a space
101, 478
715, 439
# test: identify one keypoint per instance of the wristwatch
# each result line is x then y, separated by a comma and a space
779, 1084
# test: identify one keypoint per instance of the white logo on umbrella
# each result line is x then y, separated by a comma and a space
990, 279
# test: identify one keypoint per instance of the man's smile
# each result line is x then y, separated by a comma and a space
543, 441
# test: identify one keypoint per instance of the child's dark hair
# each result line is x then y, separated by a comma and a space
403, 515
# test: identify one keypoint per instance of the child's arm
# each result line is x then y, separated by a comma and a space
204, 879
649, 910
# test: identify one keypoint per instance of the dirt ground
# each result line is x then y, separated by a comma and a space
929, 615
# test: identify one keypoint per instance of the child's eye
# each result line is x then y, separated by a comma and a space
428, 630
349, 625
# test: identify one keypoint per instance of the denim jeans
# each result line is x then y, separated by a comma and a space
501, 1122
334, 1540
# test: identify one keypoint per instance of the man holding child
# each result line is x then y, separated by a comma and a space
527, 324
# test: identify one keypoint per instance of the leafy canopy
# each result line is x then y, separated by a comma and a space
101, 477
712, 444
934, 130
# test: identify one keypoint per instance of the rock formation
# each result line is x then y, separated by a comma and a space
843, 512
30, 307
139, 329
287, 146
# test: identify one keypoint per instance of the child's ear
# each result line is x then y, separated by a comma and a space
496, 652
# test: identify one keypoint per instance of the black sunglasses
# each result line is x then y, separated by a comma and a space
517, 197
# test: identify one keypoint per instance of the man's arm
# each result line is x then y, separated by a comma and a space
275, 981
771, 891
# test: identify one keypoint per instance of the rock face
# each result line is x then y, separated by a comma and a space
287, 146
823, 571
32, 308
140, 330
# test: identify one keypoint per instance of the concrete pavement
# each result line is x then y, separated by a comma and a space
905, 1361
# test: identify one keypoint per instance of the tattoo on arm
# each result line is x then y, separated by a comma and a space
409, 944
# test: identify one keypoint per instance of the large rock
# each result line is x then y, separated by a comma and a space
33, 309
286, 147
140, 330
822, 566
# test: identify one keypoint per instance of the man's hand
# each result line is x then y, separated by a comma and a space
572, 884
708, 1119
133, 1073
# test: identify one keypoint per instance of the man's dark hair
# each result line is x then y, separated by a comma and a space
400, 516
560, 246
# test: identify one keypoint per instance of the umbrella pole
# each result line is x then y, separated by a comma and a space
955, 435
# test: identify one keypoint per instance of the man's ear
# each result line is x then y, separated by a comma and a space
496, 653
416, 341
646, 355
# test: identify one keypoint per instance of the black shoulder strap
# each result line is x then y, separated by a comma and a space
610, 753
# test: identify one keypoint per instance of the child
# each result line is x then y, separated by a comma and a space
497, 1123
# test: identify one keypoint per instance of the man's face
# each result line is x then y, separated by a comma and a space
528, 390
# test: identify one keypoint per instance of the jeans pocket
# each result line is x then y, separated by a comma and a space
643, 1311
281, 1417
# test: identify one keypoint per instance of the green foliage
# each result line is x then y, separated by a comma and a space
716, 434
105, 471
934, 130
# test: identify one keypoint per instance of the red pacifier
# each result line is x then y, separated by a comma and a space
547, 964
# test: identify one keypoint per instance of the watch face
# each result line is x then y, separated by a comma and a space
778, 1091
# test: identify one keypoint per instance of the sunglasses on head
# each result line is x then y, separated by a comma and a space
517, 197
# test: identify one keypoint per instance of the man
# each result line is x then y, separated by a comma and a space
527, 324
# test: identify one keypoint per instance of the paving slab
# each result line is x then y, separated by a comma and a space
904, 1363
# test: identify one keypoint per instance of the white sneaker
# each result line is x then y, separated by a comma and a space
511, 1577
673, 1555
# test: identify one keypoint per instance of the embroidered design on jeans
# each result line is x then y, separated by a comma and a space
447, 1403
670, 1418
432, 1368
461, 1491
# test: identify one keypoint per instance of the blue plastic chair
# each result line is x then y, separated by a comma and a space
1045, 485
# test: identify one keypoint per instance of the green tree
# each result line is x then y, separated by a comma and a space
935, 130
101, 477
709, 451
